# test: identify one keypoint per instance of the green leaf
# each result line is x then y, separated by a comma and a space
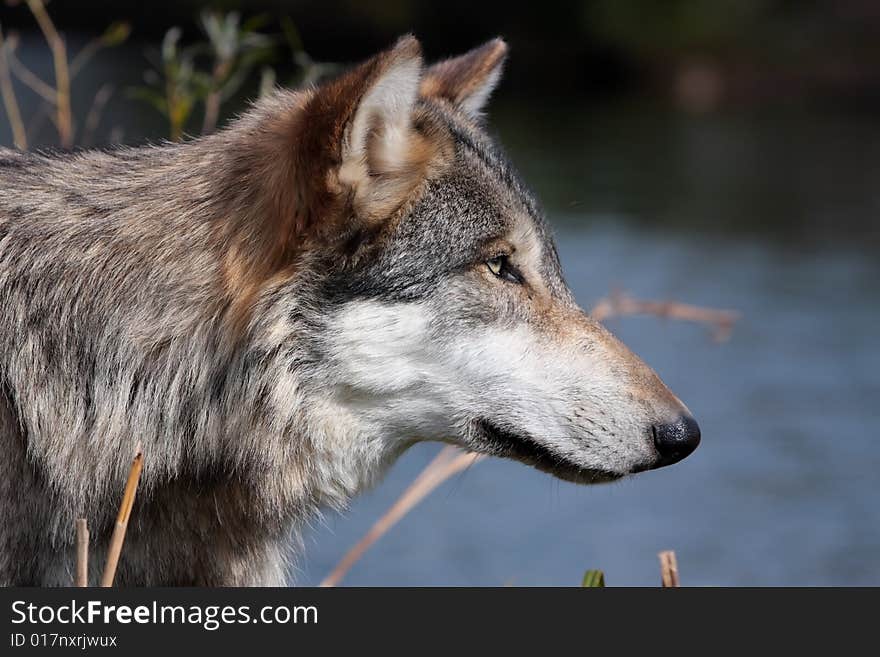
267, 81
116, 33
255, 23
150, 96
169, 44
291, 34
594, 579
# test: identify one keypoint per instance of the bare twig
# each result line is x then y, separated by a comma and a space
44, 112
117, 132
30, 79
85, 54
212, 102
63, 113
93, 118
118, 537
619, 304
115, 34
448, 462
10, 102
82, 552
668, 569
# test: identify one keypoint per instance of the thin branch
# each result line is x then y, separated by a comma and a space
669, 569
93, 118
43, 113
212, 112
214, 99
10, 102
84, 55
619, 304
448, 462
117, 133
56, 43
115, 34
82, 552
31, 80
118, 537
46, 109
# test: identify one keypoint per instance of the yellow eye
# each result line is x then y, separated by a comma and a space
495, 265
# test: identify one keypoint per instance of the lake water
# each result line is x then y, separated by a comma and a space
773, 216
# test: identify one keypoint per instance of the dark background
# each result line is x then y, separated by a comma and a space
762, 50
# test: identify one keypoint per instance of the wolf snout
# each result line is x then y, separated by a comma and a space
676, 440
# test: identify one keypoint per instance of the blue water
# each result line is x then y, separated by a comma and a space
782, 491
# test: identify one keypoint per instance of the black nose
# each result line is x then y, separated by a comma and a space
675, 441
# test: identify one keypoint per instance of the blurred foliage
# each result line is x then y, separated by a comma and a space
55, 99
209, 71
213, 70
759, 47
700, 55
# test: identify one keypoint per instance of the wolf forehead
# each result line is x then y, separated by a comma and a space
476, 202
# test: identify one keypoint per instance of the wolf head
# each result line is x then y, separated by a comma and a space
443, 311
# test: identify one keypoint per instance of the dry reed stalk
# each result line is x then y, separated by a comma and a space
215, 98
619, 304
10, 102
27, 78
93, 118
448, 462
63, 113
669, 569
118, 537
82, 552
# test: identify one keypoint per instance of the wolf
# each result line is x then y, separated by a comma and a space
276, 312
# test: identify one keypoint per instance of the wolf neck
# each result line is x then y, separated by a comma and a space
312, 423
308, 447
321, 451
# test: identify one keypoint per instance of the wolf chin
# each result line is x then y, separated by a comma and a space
276, 312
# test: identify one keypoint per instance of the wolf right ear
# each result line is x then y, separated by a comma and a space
382, 116
358, 152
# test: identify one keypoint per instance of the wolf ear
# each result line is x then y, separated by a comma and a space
381, 156
468, 80
357, 153
381, 119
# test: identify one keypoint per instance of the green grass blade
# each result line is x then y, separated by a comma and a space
594, 579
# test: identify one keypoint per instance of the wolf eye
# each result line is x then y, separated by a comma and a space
496, 265
501, 268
